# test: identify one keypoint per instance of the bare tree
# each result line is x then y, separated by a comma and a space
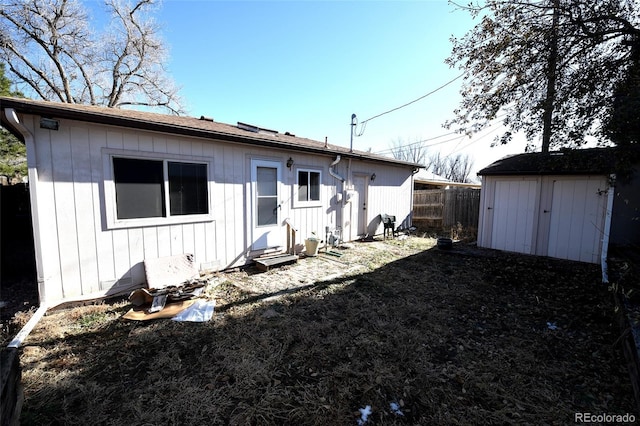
53, 54
414, 152
454, 168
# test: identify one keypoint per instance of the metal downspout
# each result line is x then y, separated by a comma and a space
332, 172
12, 117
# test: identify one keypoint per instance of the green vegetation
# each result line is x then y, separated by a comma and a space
13, 153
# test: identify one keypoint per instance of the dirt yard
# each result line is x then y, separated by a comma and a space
402, 330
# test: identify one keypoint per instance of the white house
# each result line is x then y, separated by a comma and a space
567, 204
110, 188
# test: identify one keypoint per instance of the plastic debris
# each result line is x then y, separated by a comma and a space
200, 311
395, 408
552, 326
364, 415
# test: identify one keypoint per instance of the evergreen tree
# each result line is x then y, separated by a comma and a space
13, 153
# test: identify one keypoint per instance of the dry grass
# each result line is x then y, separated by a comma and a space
456, 337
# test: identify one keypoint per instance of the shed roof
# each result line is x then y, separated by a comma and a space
566, 162
188, 126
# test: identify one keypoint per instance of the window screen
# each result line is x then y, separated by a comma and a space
188, 188
139, 188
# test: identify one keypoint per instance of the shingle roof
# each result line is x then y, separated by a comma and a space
566, 162
188, 126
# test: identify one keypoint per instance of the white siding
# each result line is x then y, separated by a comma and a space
82, 257
513, 215
577, 219
557, 216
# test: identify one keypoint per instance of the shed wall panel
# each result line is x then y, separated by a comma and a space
557, 216
577, 219
84, 205
513, 215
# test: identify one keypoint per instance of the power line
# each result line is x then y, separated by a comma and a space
491, 129
388, 150
410, 102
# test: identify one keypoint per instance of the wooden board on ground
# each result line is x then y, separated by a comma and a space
271, 262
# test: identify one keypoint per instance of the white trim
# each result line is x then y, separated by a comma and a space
265, 236
310, 203
110, 207
32, 170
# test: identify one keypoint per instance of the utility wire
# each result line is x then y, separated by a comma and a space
410, 102
460, 139
388, 150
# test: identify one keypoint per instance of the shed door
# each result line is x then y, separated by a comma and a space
577, 212
265, 193
513, 215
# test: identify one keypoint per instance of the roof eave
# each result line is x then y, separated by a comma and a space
90, 116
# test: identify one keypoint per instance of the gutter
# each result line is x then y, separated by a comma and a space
604, 252
68, 112
29, 141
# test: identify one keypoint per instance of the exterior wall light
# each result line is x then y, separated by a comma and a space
289, 163
49, 123
373, 177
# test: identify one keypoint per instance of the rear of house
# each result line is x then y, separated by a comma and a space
566, 204
111, 188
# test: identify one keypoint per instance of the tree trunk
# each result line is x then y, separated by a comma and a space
547, 116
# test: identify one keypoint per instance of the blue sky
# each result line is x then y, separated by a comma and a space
306, 66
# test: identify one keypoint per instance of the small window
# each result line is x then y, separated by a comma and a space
140, 188
308, 187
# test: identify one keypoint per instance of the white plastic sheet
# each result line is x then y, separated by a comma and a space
200, 311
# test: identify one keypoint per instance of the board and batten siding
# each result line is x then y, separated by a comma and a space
556, 216
387, 194
82, 255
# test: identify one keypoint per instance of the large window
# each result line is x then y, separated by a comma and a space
151, 188
308, 187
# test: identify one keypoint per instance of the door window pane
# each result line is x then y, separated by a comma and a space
267, 211
267, 181
267, 196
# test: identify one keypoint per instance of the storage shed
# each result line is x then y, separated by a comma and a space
110, 188
567, 204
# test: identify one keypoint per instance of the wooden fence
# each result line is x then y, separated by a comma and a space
444, 208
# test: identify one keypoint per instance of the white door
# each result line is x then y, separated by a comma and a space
513, 215
359, 206
266, 206
577, 212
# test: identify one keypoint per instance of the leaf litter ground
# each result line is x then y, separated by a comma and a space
418, 334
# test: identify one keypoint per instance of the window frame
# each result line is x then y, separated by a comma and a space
110, 204
296, 187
